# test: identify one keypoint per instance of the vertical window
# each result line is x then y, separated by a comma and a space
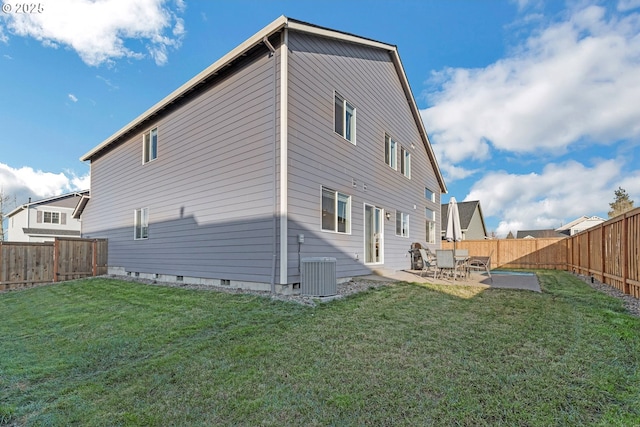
344, 118
390, 152
150, 145
431, 225
431, 231
51, 217
429, 195
336, 211
402, 224
141, 223
405, 162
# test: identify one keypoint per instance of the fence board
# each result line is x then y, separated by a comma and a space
23, 264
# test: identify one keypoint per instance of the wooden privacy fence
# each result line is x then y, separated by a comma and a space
610, 252
25, 264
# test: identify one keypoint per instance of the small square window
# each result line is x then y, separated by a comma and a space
429, 195
430, 214
150, 145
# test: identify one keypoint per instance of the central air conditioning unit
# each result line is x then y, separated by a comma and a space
318, 277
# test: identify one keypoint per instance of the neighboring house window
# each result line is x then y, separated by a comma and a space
51, 217
345, 119
336, 211
405, 162
141, 223
390, 152
402, 224
150, 145
429, 195
431, 225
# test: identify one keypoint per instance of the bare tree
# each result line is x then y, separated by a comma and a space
621, 204
4, 209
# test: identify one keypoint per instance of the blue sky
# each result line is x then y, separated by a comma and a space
532, 107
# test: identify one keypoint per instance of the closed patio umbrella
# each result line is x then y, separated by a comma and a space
454, 232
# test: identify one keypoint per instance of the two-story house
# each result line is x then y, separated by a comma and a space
44, 220
301, 142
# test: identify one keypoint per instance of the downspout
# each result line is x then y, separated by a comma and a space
274, 225
284, 152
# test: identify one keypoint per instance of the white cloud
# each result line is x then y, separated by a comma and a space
26, 182
73, 97
573, 81
98, 30
624, 5
561, 193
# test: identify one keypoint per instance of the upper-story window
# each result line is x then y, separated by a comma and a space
429, 195
150, 145
51, 217
345, 119
405, 162
390, 152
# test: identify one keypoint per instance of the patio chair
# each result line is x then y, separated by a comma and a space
445, 261
462, 261
481, 263
428, 260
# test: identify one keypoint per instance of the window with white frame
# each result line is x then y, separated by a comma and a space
390, 152
344, 118
430, 224
150, 145
141, 224
405, 162
51, 217
402, 224
336, 211
429, 195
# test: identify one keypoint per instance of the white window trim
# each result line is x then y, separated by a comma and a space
145, 148
336, 199
404, 218
364, 240
393, 151
405, 163
144, 214
433, 194
345, 103
51, 213
435, 232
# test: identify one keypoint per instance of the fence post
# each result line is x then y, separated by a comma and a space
603, 247
94, 260
56, 257
625, 255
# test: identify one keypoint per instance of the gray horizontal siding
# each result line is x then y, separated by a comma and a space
367, 78
209, 192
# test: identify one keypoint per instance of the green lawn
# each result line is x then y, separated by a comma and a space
105, 353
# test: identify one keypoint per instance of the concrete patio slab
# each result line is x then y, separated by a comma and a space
501, 280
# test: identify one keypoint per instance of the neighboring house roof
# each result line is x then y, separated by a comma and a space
50, 232
466, 210
49, 201
82, 203
203, 80
594, 220
538, 234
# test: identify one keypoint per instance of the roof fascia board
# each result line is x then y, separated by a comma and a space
207, 72
325, 32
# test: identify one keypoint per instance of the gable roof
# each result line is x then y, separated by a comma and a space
577, 221
465, 210
202, 81
538, 234
47, 201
